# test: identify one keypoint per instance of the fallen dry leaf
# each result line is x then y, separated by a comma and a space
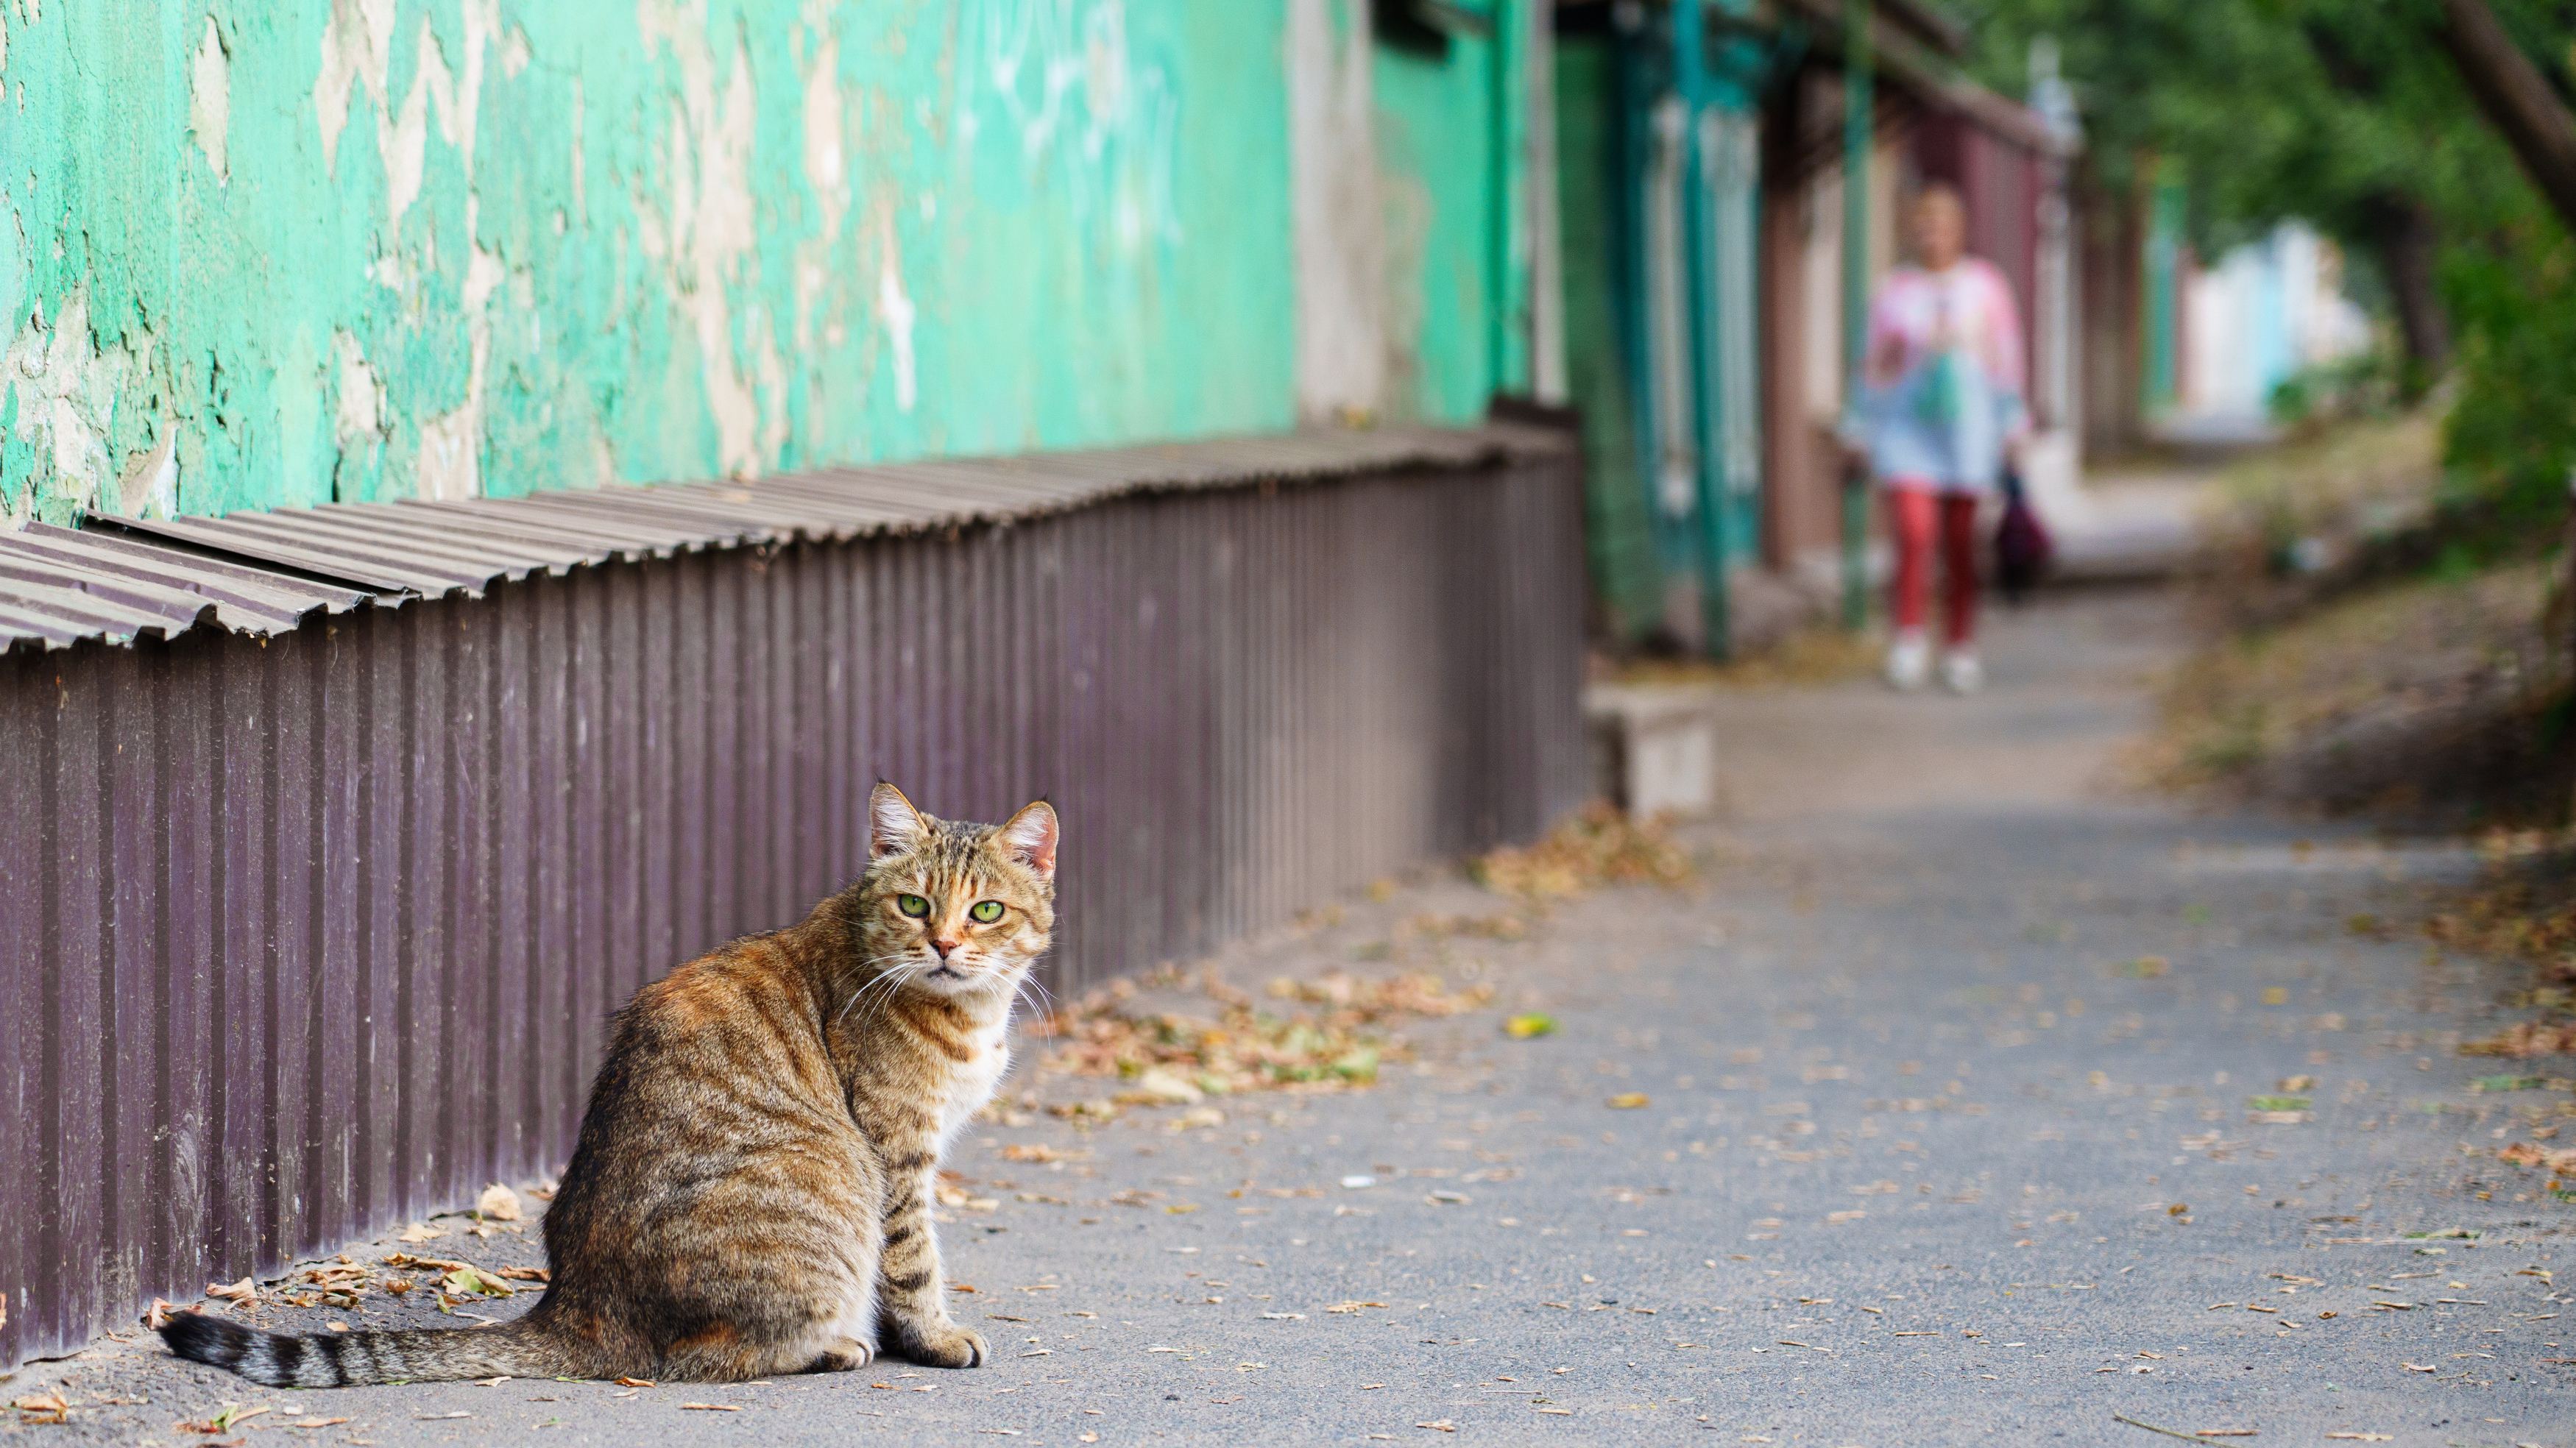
223, 1422
637, 1383
709, 1408
2524, 1153
476, 1282
43, 1407
244, 1292
497, 1204
1627, 1101
159, 1313
2530, 1038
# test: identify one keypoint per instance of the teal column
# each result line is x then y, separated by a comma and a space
2167, 202
1635, 285
1691, 81
1858, 105
1507, 344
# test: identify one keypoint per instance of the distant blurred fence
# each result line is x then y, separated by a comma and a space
329, 838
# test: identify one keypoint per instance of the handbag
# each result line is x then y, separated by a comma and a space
2022, 544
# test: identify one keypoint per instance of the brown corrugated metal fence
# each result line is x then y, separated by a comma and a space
307, 934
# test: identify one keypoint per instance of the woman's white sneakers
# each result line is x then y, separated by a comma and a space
1909, 660
1909, 665
1961, 673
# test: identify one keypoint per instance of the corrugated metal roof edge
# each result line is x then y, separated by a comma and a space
118, 579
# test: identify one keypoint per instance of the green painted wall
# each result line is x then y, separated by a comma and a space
261, 252
1627, 578
1436, 184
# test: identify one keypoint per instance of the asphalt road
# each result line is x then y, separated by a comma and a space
1929, 1156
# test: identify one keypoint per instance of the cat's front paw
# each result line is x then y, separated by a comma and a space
843, 1355
946, 1345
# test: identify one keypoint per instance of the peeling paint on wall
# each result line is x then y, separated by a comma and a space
285, 251
151, 487
1341, 239
1062, 79
64, 392
210, 104
1434, 131
701, 231
897, 308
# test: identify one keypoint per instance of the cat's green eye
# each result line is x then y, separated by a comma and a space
912, 905
986, 911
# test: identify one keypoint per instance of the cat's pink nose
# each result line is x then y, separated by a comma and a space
943, 947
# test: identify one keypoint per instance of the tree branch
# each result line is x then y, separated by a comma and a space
2517, 98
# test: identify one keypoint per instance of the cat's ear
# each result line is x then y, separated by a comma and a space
1030, 839
893, 824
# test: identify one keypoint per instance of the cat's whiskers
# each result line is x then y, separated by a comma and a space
862, 989
1043, 1003
884, 983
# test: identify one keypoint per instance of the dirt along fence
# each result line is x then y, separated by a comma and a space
329, 838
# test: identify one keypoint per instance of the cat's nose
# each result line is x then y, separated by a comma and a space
943, 946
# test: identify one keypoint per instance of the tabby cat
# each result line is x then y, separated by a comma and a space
753, 1187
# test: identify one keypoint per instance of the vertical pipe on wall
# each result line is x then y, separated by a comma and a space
1547, 244
1858, 105
1690, 79
1730, 154
1509, 311
1636, 286
2166, 202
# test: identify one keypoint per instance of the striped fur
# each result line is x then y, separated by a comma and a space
753, 1189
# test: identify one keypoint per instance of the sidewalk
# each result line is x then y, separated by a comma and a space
2118, 523
2125, 526
1947, 1140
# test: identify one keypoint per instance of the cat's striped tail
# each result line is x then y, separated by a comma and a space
347, 1359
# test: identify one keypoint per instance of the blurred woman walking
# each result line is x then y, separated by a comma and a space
1942, 406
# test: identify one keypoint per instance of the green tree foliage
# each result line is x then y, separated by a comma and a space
2512, 434
2349, 115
